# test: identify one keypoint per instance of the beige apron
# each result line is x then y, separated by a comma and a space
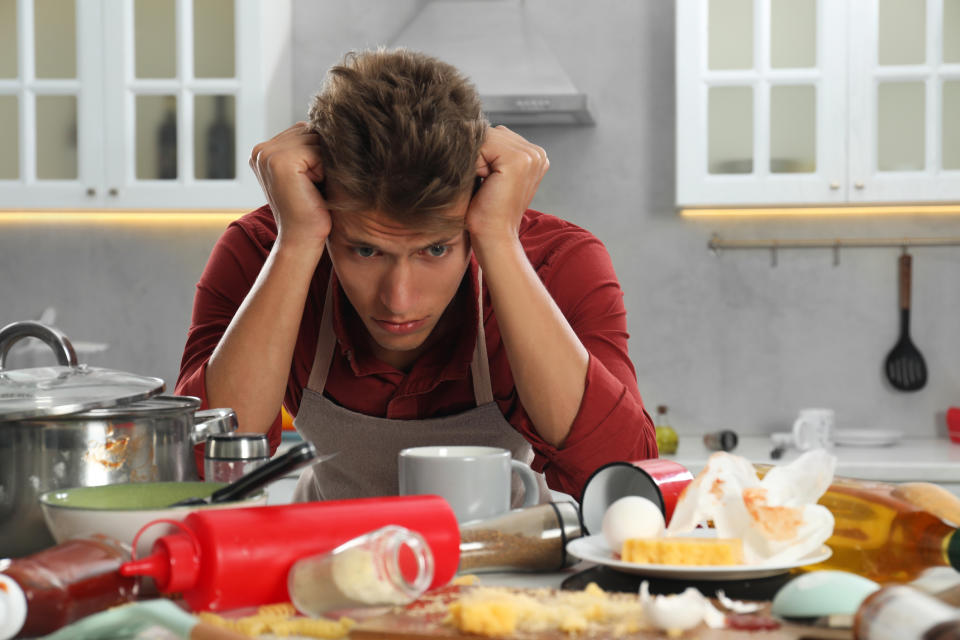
367, 461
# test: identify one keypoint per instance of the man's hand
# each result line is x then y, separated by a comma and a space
288, 166
511, 169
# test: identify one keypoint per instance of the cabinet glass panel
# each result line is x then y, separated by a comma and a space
8, 38
155, 38
730, 130
156, 141
730, 34
903, 34
9, 138
793, 33
951, 31
213, 39
793, 129
55, 38
214, 140
901, 123
57, 137
951, 125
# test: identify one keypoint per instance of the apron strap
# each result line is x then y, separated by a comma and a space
479, 365
327, 341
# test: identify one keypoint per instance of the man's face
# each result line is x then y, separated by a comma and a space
399, 280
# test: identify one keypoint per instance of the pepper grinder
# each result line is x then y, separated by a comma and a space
228, 456
530, 539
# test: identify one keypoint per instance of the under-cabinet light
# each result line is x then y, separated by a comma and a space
164, 218
777, 212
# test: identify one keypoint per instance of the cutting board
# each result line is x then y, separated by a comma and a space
423, 620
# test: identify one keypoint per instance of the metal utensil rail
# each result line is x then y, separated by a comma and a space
774, 245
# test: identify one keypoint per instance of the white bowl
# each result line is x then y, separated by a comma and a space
121, 510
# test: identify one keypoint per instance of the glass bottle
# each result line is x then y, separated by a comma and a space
666, 436
882, 536
51, 588
389, 566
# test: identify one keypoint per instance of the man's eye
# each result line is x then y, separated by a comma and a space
364, 252
438, 250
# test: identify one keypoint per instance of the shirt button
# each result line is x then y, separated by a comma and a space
350, 355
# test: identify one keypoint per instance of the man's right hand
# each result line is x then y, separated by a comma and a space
288, 167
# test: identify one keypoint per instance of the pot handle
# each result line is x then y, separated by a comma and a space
53, 338
210, 421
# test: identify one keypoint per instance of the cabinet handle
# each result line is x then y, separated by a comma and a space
113, 191
834, 185
91, 191
858, 185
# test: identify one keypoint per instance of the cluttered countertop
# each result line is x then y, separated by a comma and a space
897, 459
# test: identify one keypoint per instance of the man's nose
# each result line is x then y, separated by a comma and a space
398, 289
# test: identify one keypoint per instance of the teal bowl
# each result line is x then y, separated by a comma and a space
122, 510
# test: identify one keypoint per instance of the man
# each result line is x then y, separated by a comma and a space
397, 291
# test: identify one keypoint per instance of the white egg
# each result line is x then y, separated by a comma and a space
631, 517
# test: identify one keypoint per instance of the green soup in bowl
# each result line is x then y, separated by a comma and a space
122, 510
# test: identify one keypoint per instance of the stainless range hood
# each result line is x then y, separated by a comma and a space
519, 79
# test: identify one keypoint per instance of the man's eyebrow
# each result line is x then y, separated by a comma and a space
442, 241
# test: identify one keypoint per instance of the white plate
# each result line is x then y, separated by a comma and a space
866, 437
594, 549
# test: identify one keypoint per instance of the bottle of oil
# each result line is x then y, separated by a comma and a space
882, 536
666, 436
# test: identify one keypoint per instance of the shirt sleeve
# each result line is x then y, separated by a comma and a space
230, 272
611, 423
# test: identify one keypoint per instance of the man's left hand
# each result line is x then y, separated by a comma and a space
511, 169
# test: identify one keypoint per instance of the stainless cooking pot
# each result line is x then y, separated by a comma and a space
73, 425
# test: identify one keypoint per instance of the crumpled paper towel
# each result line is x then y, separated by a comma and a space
777, 517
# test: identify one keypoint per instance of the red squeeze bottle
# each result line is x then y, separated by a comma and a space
231, 558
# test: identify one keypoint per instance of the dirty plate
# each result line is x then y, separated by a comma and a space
594, 549
866, 437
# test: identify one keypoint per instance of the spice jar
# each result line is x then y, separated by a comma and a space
389, 566
228, 456
531, 539
51, 588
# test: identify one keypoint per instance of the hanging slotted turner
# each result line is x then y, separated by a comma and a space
905, 367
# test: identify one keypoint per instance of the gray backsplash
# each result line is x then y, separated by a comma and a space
725, 341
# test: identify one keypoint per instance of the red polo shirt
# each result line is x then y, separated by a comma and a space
575, 267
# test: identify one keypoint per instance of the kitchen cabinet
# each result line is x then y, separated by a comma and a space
134, 104
816, 102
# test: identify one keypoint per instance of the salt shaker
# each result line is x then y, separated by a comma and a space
230, 455
392, 565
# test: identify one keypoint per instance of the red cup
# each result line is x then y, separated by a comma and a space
953, 424
659, 480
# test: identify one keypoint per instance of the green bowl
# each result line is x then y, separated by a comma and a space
122, 510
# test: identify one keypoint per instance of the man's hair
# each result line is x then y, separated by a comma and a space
400, 133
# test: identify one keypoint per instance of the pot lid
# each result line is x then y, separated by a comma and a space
57, 391
61, 390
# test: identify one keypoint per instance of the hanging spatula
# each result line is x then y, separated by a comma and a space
905, 367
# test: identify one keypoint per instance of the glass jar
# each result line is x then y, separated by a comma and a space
228, 456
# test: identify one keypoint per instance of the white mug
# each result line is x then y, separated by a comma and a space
474, 480
813, 429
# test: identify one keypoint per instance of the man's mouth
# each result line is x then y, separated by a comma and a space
401, 328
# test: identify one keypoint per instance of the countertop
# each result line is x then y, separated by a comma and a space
909, 460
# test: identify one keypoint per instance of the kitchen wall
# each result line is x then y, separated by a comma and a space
725, 341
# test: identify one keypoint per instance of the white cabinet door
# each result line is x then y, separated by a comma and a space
138, 104
183, 102
50, 103
761, 102
905, 101
868, 113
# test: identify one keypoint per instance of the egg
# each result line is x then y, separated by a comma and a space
631, 517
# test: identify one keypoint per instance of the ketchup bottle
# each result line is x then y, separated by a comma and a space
54, 587
231, 558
